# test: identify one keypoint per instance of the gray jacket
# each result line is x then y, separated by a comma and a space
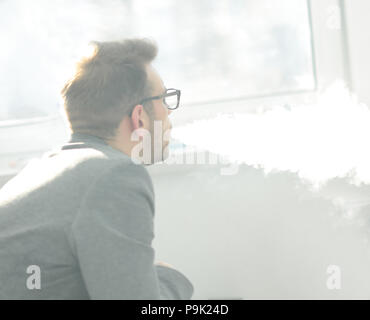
83, 216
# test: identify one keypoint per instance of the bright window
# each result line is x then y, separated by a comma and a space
211, 50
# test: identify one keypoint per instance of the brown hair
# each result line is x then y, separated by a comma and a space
107, 85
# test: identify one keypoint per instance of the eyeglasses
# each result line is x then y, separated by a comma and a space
171, 98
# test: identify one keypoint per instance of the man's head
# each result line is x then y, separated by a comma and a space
104, 97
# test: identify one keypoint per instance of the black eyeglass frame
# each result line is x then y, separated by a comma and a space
162, 96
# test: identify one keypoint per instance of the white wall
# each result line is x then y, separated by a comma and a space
251, 236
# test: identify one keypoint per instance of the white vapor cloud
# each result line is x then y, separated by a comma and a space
318, 141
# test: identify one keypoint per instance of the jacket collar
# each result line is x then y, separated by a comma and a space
82, 140
83, 137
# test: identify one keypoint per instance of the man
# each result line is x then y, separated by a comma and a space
78, 223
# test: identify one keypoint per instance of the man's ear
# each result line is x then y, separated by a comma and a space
137, 117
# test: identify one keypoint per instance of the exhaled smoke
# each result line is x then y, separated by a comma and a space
319, 141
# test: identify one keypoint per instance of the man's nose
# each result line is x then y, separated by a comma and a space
169, 111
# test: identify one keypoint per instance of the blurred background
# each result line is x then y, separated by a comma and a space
278, 88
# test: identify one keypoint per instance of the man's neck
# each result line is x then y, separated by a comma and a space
120, 146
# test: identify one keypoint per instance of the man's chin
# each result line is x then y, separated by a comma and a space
163, 156
166, 152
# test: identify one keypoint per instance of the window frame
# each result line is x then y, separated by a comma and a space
329, 61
